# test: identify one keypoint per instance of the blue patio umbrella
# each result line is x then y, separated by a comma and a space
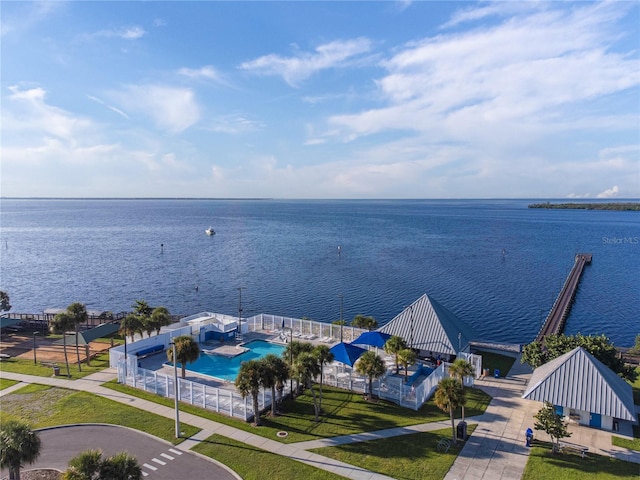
375, 339
346, 353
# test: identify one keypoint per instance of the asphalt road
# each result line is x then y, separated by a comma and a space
159, 460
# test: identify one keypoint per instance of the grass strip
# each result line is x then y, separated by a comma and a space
6, 383
27, 367
407, 457
631, 444
344, 413
253, 463
44, 406
543, 464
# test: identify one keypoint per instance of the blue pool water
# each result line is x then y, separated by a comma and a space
227, 368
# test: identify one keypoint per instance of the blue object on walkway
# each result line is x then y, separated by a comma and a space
496, 373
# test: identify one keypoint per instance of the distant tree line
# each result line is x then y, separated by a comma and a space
589, 206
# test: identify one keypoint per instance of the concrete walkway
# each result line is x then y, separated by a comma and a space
495, 451
93, 384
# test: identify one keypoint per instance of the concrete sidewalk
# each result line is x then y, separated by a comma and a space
92, 384
495, 451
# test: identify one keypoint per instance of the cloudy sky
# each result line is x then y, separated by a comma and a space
320, 99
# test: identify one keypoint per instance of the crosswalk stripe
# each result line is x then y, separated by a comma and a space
177, 452
145, 474
158, 461
169, 457
150, 467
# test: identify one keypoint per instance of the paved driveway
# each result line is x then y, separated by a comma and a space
159, 459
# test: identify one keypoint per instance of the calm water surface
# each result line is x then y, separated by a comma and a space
284, 255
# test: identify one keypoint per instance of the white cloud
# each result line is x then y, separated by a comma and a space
171, 108
125, 33
204, 73
506, 89
302, 66
609, 193
27, 111
110, 107
234, 124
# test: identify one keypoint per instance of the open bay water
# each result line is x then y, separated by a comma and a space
284, 255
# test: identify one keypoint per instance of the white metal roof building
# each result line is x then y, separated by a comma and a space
583, 389
427, 325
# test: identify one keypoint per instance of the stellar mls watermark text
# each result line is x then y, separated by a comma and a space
621, 240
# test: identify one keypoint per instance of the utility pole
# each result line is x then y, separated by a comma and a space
239, 334
341, 321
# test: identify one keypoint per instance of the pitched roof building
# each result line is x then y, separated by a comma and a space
430, 327
583, 388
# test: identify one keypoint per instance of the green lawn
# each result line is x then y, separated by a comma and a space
5, 383
494, 361
344, 413
22, 365
407, 457
43, 406
252, 463
636, 387
545, 465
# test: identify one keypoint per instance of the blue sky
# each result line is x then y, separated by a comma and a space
321, 99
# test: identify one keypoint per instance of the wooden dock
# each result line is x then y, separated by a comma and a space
557, 317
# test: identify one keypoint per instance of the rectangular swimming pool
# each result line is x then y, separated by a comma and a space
226, 368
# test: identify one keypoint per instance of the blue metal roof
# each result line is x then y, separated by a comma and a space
429, 326
580, 381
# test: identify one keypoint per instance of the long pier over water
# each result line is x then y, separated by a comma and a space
557, 317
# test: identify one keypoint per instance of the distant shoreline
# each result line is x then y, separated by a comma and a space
620, 206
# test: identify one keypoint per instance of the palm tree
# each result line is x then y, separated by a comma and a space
130, 325
187, 351
142, 308
323, 355
5, 306
448, 397
120, 466
248, 382
78, 312
307, 367
60, 324
372, 366
290, 355
89, 465
407, 357
269, 379
84, 466
161, 318
361, 321
393, 346
18, 445
280, 371
459, 369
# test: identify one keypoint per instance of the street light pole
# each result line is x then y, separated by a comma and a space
240, 312
35, 360
175, 387
125, 357
291, 360
341, 321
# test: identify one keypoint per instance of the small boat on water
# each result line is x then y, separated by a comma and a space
210, 231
